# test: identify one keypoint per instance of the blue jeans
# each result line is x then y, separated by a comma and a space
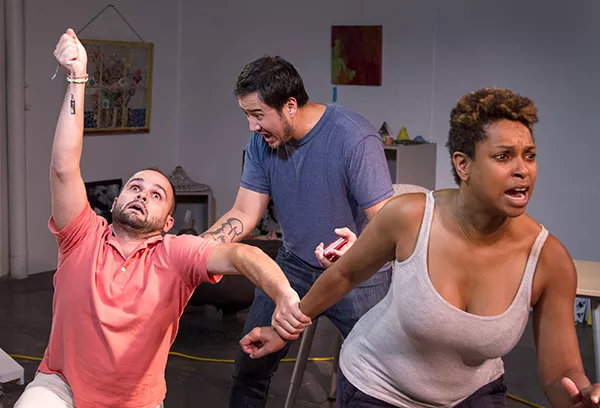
252, 378
491, 395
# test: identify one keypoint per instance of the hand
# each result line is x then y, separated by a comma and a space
71, 54
342, 232
586, 397
288, 321
261, 341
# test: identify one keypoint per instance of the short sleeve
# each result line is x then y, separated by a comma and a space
368, 173
254, 176
188, 254
76, 231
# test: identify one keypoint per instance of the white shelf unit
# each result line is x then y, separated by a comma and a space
201, 204
412, 164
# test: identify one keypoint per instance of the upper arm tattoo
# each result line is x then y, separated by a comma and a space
227, 232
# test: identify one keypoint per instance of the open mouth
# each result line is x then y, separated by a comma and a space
519, 195
137, 207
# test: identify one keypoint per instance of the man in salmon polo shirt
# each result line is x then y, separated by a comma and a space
120, 289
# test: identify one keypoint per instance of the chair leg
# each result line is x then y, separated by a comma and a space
334, 373
300, 366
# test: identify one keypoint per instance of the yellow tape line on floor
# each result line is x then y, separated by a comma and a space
25, 357
205, 359
524, 401
285, 360
218, 360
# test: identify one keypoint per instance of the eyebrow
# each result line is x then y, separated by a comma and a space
506, 147
251, 110
139, 179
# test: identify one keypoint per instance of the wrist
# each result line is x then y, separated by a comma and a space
77, 71
286, 292
278, 335
78, 78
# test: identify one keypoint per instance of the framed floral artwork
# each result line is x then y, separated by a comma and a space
119, 89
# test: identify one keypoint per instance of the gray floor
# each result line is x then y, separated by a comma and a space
25, 318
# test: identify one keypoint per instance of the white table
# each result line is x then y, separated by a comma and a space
588, 286
10, 370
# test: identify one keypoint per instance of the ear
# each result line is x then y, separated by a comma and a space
290, 107
113, 204
462, 163
168, 224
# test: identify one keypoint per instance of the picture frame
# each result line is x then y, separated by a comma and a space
119, 90
101, 195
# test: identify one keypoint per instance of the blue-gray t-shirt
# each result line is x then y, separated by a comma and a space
323, 181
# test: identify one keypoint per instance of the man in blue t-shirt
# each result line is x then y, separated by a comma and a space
324, 167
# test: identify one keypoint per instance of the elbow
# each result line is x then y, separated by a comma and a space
244, 254
346, 276
56, 173
249, 219
348, 283
552, 387
61, 172
353, 279
344, 281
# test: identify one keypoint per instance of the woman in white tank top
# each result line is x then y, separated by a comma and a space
473, 264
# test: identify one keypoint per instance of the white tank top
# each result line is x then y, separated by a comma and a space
414, 349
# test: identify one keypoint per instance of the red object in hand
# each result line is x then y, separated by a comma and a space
337, 244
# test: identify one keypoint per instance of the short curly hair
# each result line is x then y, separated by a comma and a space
478, 109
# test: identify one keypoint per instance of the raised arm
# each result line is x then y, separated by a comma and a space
66, 184
559, 361
238, 222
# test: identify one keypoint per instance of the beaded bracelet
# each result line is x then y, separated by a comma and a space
77, 80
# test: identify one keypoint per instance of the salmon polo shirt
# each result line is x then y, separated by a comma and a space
115, 317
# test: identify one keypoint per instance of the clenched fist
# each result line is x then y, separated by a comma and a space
71, 54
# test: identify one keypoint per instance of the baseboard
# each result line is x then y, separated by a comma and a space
3, 265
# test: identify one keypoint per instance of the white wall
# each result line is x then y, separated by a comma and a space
548, 52
104, 157
433, 53
221, 37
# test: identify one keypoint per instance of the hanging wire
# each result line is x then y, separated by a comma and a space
92, 20
120, 15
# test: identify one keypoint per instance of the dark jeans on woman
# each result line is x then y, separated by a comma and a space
252, 378
492, 395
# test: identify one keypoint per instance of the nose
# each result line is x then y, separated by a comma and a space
521, 168
253, 124
142, 197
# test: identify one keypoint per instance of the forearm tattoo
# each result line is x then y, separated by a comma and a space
227, 232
